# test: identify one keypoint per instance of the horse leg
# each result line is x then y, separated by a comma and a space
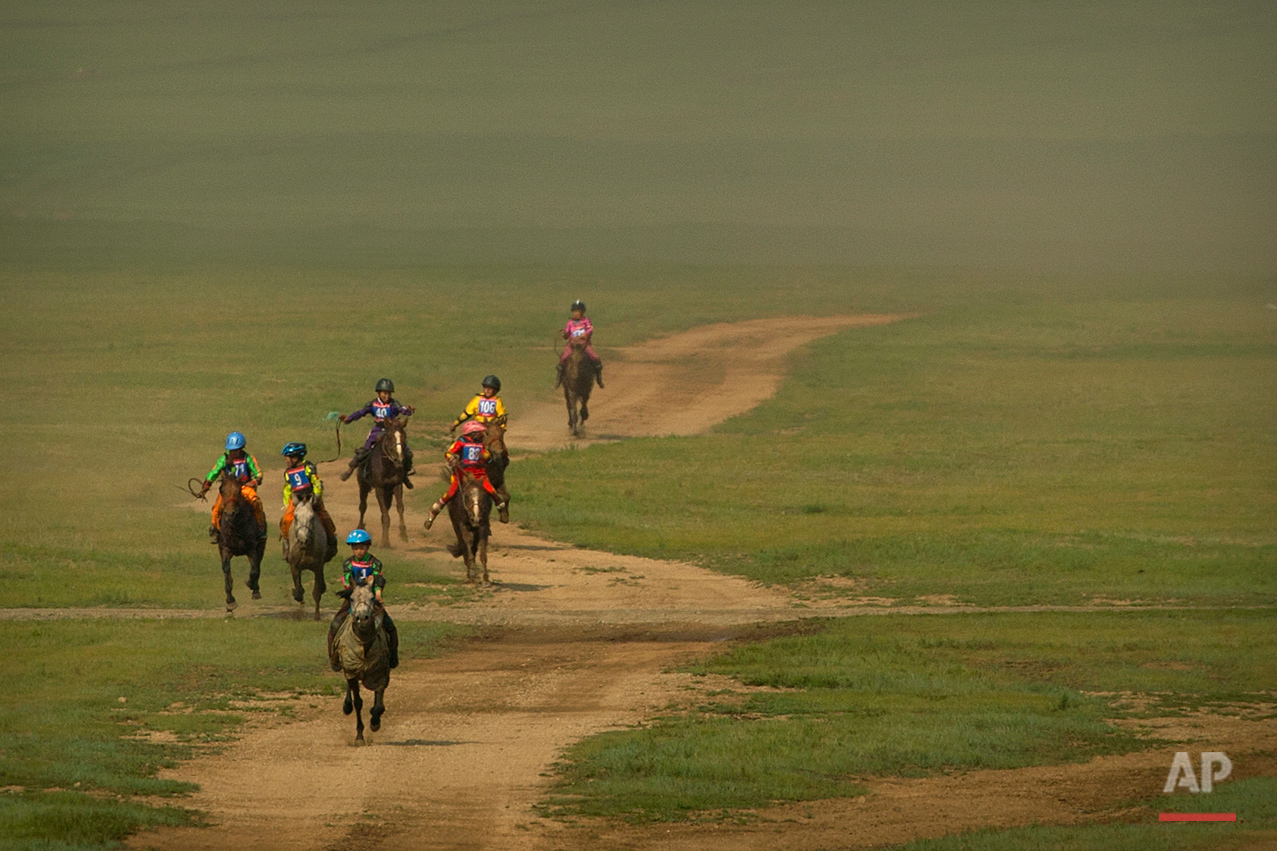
255, 570
298, 593
319, 589
363, 504
403, 530
226, 573
378, 710
383, 502
585, 409
355, 699
483, 556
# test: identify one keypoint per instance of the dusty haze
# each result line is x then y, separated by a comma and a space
1063, 135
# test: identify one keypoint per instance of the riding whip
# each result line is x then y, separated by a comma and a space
335, 417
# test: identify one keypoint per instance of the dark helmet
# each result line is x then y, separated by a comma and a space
385, 384
291, 449
578, 305
493, 382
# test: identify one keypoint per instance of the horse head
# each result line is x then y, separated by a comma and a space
475, 499
392, 441
363, 611
303, 514
230, 488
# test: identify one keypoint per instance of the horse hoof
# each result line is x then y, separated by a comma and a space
257, 595
231, 604
298, 595
347, 707
374, 725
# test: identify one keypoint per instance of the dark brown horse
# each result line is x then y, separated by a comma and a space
364, 655
238, 535
470, 511
383, 472
579, 373
308, 548
494, 440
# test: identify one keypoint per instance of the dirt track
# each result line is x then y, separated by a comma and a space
576, 642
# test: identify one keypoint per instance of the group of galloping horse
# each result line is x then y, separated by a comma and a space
383, 473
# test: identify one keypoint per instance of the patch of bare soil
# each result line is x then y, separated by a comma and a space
575, 642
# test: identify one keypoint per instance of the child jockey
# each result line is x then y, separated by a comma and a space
579, 327
383, 407
487, 408
473, 456
302, 478
242, 466
361, 568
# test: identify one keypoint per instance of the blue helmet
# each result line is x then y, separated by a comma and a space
293, 449
359, 536
235, 440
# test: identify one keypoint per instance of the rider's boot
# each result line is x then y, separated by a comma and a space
503, 512
434, 512
558, 377
598, 373
360, 454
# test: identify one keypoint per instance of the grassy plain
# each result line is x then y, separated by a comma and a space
105, 704
912, 696
234, 218
1007, 447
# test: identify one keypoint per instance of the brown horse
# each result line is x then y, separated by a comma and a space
383, 472
364, 654
238, 535
308, 548
470, 511
494, 440
579, 374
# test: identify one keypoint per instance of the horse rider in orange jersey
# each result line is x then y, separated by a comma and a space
469, 452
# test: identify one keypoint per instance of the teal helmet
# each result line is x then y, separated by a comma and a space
291, 449
235, 440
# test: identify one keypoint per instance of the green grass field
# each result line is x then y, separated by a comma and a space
914, 696
241, 217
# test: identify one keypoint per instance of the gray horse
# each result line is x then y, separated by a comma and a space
364, 654
308, 549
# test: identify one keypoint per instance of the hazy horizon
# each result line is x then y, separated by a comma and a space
1065, 136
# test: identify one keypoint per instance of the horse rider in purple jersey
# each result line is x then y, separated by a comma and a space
382, 408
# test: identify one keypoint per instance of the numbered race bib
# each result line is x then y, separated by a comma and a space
381, 411
298, 478
578, 332
239, 469
361, 570
472, 454
487, 407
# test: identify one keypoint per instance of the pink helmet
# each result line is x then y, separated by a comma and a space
473, 427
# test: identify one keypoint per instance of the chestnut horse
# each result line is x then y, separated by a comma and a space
578, 379
238, 535
383, 473
469, 511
